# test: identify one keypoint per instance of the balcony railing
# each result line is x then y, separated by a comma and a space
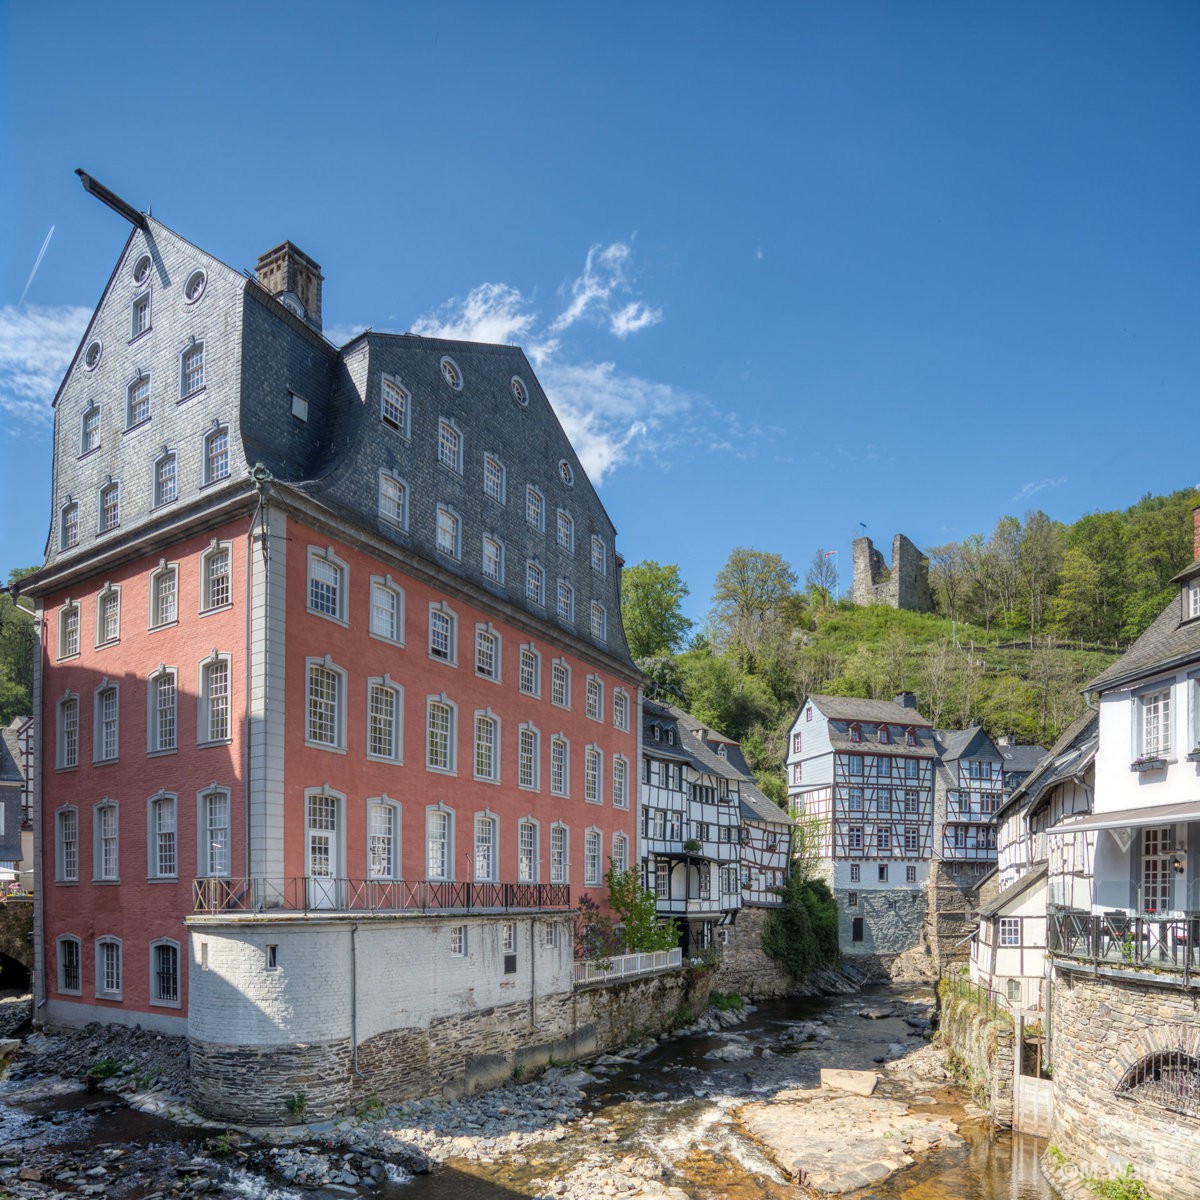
318, 894
697, 906
1151, 941
629, 966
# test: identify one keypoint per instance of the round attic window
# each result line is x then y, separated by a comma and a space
520, 395
194, 288
91, 356
566, 474
451, 374
141, 270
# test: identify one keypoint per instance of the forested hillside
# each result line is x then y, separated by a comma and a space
1026, 616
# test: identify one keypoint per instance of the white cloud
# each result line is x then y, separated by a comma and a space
633, 317
36, 345
1034, 486
492, 312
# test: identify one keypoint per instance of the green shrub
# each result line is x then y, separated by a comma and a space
104, 1068
726, 1001
1126, 1186
801, 934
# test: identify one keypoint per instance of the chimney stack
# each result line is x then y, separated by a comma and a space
906, 700
294, 279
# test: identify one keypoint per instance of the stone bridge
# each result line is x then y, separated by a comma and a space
16, 931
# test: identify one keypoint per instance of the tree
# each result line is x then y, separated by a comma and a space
948, 578
637, 909
748, 593
16, 654
1040, 561
1078, 610
822, 579
651, 608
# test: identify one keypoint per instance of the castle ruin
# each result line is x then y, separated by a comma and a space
905, 584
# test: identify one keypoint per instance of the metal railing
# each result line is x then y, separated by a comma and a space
988, 1000
1155, 941
627, 966
319, 894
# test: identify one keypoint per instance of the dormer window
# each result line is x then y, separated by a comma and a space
884, 735
656, 732
1192, 598
910, 737
855, 733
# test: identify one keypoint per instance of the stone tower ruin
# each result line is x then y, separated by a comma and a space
905, 584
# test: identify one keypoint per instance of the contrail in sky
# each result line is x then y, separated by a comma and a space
38, 263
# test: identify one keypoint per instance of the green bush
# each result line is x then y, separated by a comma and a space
1125, 1186
726, 1001
801, 934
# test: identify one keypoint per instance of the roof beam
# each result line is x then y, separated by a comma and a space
122, 207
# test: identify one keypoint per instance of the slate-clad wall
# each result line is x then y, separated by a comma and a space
129, 456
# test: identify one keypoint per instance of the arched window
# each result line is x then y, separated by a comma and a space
1169, 1079
164, 973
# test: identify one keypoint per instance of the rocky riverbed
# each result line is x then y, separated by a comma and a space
667, 1119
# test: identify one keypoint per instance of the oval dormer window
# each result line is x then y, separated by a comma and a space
451, 374
194, 288
520, 394
91, 356
566, 474
141, 270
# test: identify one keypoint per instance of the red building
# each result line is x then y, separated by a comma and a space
329, 635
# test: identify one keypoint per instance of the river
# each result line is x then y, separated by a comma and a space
665, 1120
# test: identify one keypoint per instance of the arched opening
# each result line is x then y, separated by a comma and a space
14, 975
1170, 1079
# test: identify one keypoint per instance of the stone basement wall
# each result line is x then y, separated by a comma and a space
1100, 1027
948, 921
982, 1050
455, 1055
744, 968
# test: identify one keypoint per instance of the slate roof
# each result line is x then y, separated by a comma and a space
1068, 757
876, 712
757, 807
1021, 759
10, 753
1026, 883
955, 743
1170, 641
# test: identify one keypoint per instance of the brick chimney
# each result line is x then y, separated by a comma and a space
288, 272
1196, 532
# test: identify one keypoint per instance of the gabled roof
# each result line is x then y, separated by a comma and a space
757, 807
1021, 758
877, 712
1170, 641
1026, 883
1070, 756
956, 743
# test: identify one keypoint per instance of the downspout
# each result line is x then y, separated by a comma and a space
354, 999
533, 973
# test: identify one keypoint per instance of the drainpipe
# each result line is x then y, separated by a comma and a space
354, 998
533, 973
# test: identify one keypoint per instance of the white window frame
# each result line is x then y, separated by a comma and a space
386, 804
599, 556
535, 582
564, 531
530, 667
620, 852
214, 457
68, 814
137, 392
560, 697
393, 511
111, 487
620, 709
340, 586
485, 634
89, 433
560, 779
448, 522
620, 774
1008, 932
529, 780
69, 635
450, 766
485, 719
160, 480
1193, 599
594, 698
440, 612
208, 851
1156, 706
450, 445
100, 724
190, 350
156, 999
498, 492
593, 851
106, 867
485, 821
599, 622
560, 855
386, 584
164, 587
207, 712
103, 990
385, 684
403, 402
564, 601
529, 850
497, 544
156, 743
535, 508
68, 525
162, 840
140, 308
207, 577
459, 941
593, 775
339, 677
444, 817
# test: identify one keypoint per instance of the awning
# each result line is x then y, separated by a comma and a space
1126, 818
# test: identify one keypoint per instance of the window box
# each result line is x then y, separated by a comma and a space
1153, 762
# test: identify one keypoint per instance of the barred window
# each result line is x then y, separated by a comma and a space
164, 971
70, 977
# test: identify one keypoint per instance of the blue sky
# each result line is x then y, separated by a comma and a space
782, 268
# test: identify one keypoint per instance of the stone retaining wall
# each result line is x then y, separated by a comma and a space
983, 1050
454, 1055
1100, 1028
744, 968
